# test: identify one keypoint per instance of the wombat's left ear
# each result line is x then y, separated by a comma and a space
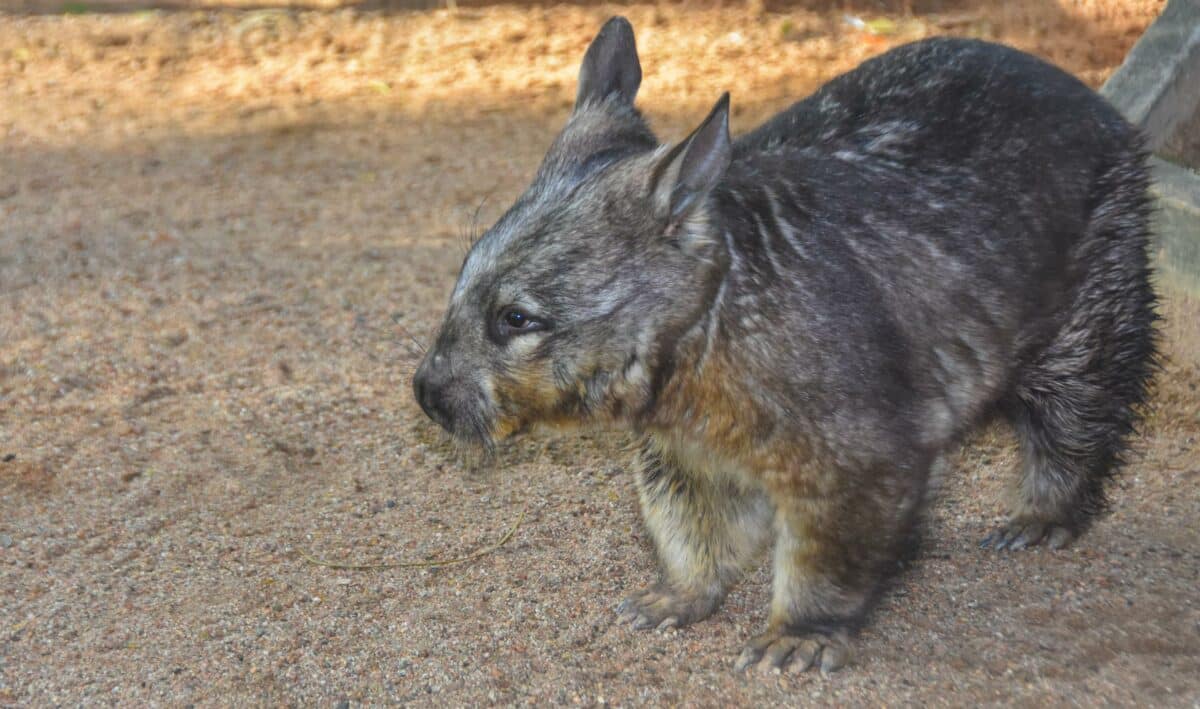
683, 178
610, 66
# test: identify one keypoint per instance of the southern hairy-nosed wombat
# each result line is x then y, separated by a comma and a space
799, 323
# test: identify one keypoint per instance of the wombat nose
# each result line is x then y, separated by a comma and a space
428, 395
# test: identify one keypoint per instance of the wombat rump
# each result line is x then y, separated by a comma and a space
801, 322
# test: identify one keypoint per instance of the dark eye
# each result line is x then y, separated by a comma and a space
514, 321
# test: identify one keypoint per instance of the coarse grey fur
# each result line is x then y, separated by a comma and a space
802, 322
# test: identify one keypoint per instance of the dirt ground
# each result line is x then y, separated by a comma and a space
216, 227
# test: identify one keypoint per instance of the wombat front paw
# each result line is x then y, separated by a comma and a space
1021, 532
775, 650
662, 607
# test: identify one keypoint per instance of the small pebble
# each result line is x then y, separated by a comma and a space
5, 541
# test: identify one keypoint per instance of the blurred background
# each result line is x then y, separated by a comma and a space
220, 222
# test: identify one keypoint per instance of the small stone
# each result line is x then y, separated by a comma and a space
5, 541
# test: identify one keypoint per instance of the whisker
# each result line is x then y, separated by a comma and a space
364, 347
474, 231
396, 319
471, 235
464, 242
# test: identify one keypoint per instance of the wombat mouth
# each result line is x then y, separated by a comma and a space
470, 430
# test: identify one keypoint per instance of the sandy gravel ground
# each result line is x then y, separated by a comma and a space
215, 227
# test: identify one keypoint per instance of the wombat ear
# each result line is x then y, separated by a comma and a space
691, 169
610, 65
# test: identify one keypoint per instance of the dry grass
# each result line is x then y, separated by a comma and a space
213, 224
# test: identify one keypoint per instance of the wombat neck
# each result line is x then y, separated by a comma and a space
707, 403
702, 399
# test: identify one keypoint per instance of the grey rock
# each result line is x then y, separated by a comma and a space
1158, 89
1158, 86
1177, 226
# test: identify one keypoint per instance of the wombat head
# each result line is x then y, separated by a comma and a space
568, 308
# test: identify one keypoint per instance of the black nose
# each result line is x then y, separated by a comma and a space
428, 390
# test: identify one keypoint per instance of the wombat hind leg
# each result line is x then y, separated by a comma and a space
1077, 404
1071, 434
1073, 416
1076, 407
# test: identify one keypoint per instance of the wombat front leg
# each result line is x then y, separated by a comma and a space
705, 528
836, 540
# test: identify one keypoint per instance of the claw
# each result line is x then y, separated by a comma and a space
808, 654
777, 651
663, 608
834, 658
749, 656
1023, 533
1059, 537
626, 612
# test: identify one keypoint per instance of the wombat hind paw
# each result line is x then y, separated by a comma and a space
1022, 532
662, 608
777, 650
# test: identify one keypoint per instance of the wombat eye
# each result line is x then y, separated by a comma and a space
514, 321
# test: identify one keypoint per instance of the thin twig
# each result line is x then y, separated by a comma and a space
420, 564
